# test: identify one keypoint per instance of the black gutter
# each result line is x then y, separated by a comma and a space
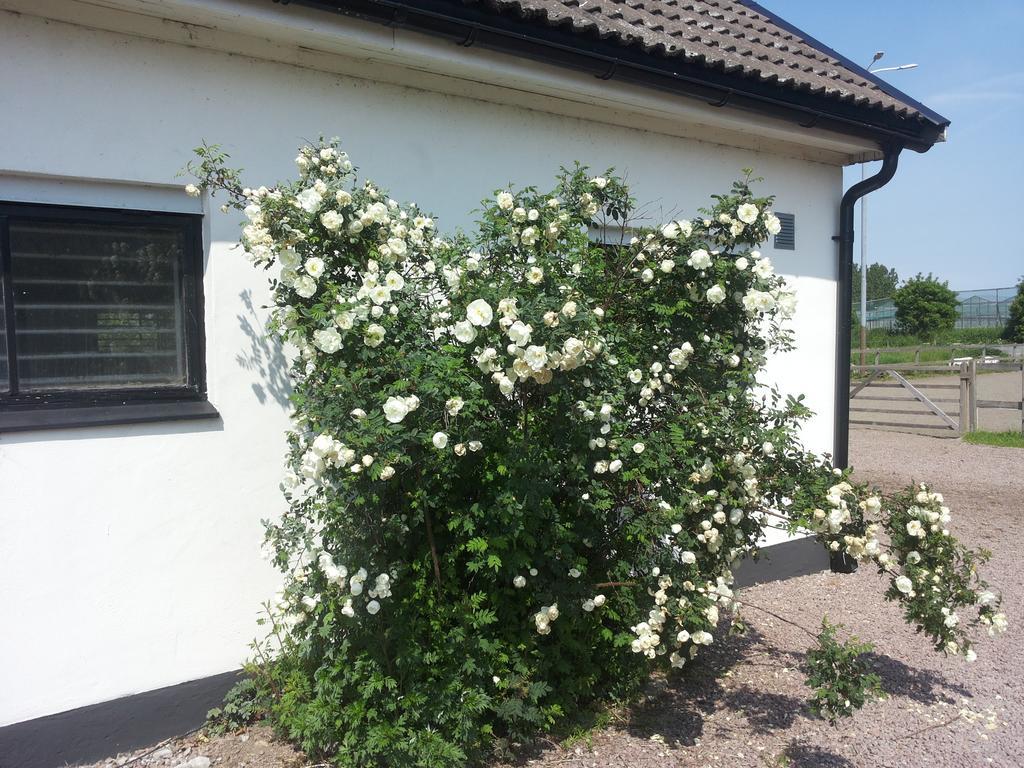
528, 39
844, 303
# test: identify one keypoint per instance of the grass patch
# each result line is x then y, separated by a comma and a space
1001, 439
582, 729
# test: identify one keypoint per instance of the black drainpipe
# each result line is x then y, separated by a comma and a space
844, 305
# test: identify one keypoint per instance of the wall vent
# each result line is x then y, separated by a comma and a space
786, 239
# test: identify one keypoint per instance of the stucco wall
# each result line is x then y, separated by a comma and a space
129, 556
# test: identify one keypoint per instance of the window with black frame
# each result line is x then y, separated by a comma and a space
101, 317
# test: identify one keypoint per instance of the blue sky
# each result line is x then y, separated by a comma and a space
955, 210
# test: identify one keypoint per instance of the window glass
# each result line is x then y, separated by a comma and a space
96, 305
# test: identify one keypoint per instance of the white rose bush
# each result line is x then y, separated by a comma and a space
524, 464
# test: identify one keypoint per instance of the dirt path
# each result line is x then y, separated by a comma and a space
744, 705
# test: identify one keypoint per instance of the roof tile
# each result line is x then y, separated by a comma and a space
725, 34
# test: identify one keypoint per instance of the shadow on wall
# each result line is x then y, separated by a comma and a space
265, 357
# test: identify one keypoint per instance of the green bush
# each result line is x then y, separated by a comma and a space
881, 337
523, 465
925, 307
1014, 330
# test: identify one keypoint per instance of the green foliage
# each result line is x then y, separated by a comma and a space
248, 701
523, 464
882, 282
925, 306
840, 675
1014, 330
1000, 439
881, 337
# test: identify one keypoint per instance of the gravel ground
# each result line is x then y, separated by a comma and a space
743, 706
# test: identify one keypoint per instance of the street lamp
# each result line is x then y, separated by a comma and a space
864, 227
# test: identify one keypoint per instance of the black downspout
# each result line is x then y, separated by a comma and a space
844, 305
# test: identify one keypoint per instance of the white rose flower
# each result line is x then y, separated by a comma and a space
914, 528
475, 445
387, 473
372, 607
772, 223
332, 220
519, 582
904, 585
715, 294
528, 237
342, 197
305, 286
374, 335
440, 440
670, 231
534, 275
667, 265
647, 275
395, 409
519, 332
747, 213
453, 405
763, 268
599, 181
192, 190
536, 357
309, 200
464, 331
314, 267
742, 263
394, 281
327, 340
479, 313
505, 201
614, 465
688, 557
699, 259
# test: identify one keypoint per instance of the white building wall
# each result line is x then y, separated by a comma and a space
129, 556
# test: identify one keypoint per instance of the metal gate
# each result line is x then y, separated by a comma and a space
883, 396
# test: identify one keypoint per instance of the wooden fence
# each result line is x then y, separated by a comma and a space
931, 400
1012, 351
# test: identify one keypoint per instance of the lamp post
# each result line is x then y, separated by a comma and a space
864, 228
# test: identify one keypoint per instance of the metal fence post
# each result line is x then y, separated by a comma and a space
964, 399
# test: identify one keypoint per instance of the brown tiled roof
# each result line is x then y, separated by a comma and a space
723, 51
731, 37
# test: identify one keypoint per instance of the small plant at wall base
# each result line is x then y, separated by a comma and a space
925, 307
523, 465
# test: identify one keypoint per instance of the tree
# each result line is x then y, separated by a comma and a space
882, 282
522, 467
1015, 325
925, 306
